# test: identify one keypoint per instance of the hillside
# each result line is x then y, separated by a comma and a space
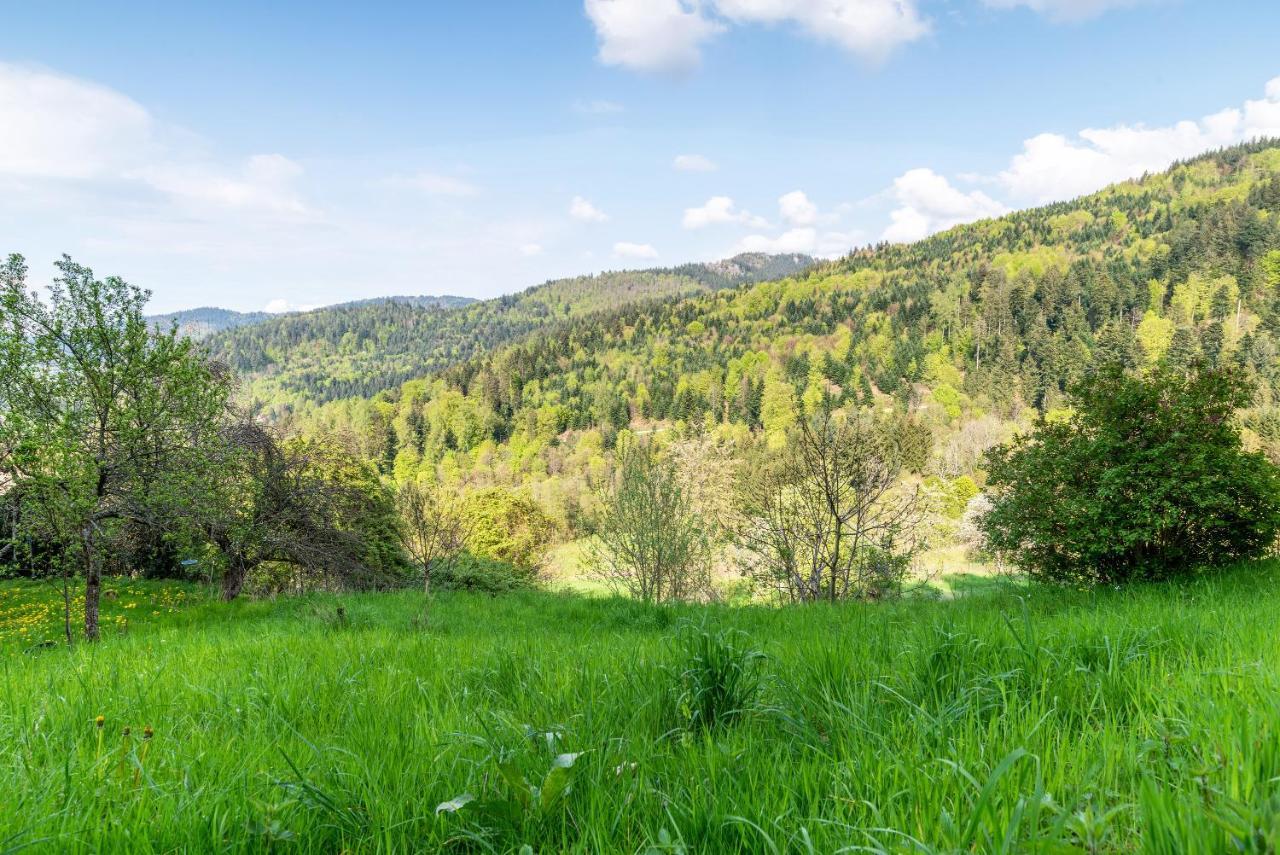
363, 348
205, 321
963, 333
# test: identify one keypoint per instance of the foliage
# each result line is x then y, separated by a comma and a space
303, 504
106, 425
505, 526
827, 518
650, 539
431, 528
1146, 480
467, 572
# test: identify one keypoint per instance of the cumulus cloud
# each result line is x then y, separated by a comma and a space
529, 250
870, 29
1067, 10
1053, 166
796, 209
694, 163
927, 203
650, 35
581, 209
792, 240
625, 249
61, 127
280, 305
803, 235
667, 35
65, 129
719, 210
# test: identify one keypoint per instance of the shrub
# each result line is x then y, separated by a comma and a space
1147, 479
505, 526
486, 575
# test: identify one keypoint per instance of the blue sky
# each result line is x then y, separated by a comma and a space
297, 154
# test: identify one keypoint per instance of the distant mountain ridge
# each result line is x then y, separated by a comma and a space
368, 346
204, 321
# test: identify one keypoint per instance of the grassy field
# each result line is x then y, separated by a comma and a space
1003, 720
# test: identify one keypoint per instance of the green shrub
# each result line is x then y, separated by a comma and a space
505, 526
1147, 479
486, 575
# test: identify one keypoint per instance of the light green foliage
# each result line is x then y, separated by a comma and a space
505, 526
1271, 268
1035, 262
1154, 334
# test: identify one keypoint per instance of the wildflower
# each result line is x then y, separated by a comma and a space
100, 721
147, 732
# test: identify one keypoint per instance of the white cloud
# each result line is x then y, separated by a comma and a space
1053, 166
719, 210
60, 127
793, 240
581, 209
1067, 10
529, 250
650, 35
264, 183
435, 184
834, 244
803, 236
625, 249
871, 29
667, 35
796, 209
280, 305
63, 129
694, 163
927, 203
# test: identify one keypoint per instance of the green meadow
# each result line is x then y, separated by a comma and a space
1007, 718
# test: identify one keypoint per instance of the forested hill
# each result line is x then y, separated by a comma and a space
359, 349
960, 332
207, 320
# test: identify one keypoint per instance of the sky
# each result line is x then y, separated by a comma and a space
286, 155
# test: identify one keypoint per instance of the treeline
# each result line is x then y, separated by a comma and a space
362, 348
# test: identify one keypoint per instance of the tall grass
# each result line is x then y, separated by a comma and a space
1019, 720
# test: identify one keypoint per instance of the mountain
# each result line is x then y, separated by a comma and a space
428, 301
359, 349
963, 335
207, 320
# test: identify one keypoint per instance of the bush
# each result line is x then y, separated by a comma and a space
486, 575
1146, 480
505, 526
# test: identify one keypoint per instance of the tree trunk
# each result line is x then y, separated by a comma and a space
233, 579
92, 596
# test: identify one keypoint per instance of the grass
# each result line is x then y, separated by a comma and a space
1007, 720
